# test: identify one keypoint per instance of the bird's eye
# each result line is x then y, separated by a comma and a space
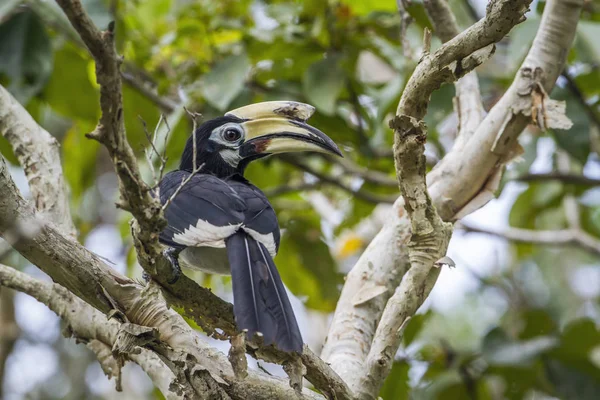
231, 135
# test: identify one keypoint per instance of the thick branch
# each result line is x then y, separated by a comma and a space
84, 322
39, 155
453, 184
110, 130
381, 267
430, 235
453, 59
87, 276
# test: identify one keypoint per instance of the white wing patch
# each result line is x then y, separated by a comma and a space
205, 234
267, 239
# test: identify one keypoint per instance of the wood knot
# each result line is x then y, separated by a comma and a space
406, 126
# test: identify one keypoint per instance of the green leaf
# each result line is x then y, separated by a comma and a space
579, 338
576, 141
500, 350
518, 380
25, 55
416, 10
534, 200
452, 384
79, 158
572, 383
364, 7
225, 81
414, 327
536, 322
589, 32
396, 385
313, 273
70, 80
323, 83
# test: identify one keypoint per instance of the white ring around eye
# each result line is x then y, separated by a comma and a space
218, 135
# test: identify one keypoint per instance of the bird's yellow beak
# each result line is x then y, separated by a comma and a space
279, 127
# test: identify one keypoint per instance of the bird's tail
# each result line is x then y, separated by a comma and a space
260, 303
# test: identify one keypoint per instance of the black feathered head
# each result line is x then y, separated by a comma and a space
225, 145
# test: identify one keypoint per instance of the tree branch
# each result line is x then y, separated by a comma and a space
39, 155
84, 322
361, 194
290, 188
372, 176
164, 103
546, 237
429, 234
453, 184
9, 330
87, 276
467, 102
110, 131
566, 178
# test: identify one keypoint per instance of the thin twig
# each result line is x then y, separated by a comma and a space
568, 179
148, 152
543, 237
361, 194
426, 41
164, 157
574, 88
360, 127
164, 103
405, 21
152, 149
196, 117
289, 188
181, 186
351, 168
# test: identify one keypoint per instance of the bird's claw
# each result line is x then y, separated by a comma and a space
171, 255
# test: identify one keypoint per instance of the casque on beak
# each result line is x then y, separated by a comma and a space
279, 127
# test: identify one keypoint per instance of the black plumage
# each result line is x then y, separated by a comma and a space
266, 307
220, 223
261, 303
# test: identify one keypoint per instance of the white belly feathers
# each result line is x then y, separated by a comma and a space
208, 259
206, 244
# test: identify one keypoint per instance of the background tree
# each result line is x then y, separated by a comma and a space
518, 316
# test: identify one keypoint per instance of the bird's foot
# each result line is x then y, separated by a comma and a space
171, 255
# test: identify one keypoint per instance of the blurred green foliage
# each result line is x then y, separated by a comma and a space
347, 58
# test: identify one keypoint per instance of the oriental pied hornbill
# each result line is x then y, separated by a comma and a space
220, 223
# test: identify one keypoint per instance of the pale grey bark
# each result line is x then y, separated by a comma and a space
39, 155
466, 172
380, 269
